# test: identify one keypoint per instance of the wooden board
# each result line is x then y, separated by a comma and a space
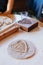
3, 17
31, 24
7, 30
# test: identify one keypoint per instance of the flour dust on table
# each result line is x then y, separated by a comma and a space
21, 49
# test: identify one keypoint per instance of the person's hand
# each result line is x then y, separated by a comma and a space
0, 13
7, 12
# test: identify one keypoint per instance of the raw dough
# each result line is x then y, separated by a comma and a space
8, 21
21, 49
20, 46
18, 49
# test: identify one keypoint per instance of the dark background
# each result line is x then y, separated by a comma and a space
32, 6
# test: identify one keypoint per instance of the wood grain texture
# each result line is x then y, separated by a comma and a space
8, 32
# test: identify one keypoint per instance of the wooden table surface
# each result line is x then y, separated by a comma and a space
35, 36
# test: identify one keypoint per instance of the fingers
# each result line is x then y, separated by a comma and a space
0, 13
